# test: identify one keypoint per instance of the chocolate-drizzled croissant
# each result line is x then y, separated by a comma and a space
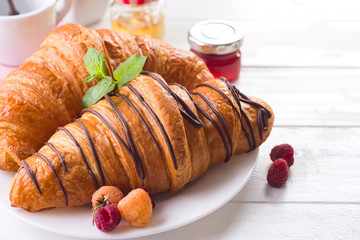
147, 133
45, 92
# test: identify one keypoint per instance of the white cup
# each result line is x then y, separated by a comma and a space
87, 12
21, 35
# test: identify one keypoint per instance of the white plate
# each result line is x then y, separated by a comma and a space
198, 199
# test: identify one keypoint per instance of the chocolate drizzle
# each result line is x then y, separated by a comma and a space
55, 174
62, 160
222, 94
157, 120
82, 155
188, 114
31, 175
223, 124
263, 116
140, 117
93, 151
137, 160
252, 139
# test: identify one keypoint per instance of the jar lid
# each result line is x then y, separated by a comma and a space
135, 2
215, 36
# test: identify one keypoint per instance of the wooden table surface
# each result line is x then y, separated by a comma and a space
303, 58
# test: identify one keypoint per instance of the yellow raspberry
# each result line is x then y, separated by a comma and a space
136, 208
106, 195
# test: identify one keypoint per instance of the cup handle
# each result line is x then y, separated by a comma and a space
60, 14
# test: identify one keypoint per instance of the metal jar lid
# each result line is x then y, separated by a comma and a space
215, 36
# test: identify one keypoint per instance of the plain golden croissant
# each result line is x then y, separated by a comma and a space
45, 92
147, 133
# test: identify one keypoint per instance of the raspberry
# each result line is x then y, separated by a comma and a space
136, 208
278, 173
151, 197
106, 195
284, 151
107, 218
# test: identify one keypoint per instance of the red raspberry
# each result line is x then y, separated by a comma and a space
284, 151
107, 218
278, 173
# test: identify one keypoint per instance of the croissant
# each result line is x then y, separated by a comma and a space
45, 92
147, 133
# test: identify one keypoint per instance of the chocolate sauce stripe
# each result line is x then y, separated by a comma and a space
157, 120
260, 125
222, 94
140, 117
108, 125
98, 115
263, 120
208, 117
222, 121
252, 140
31, 175
186, 91
252, 132
137, 160
231, 104
93, 150
55, 174
62, 160
82, 155
268, 113
188, 113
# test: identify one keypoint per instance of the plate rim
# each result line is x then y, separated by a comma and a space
245, 180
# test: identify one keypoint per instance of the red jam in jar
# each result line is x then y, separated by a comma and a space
217, 43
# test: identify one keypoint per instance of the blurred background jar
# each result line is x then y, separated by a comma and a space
217, 42
138, 17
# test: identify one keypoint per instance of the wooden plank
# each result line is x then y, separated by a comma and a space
306, 96
303, 10
240, 221
288, 43
273, 221
326, 168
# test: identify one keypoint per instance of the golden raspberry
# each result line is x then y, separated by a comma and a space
136, 208
106, 195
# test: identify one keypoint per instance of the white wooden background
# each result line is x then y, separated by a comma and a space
303, 58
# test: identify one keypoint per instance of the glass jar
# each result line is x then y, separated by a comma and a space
217, 42
138, 17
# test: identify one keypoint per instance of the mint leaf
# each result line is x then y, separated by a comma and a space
129, 69
95, 63
95, 93
89, 78
96, 66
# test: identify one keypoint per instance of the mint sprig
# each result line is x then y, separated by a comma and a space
96, 66
129, 69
